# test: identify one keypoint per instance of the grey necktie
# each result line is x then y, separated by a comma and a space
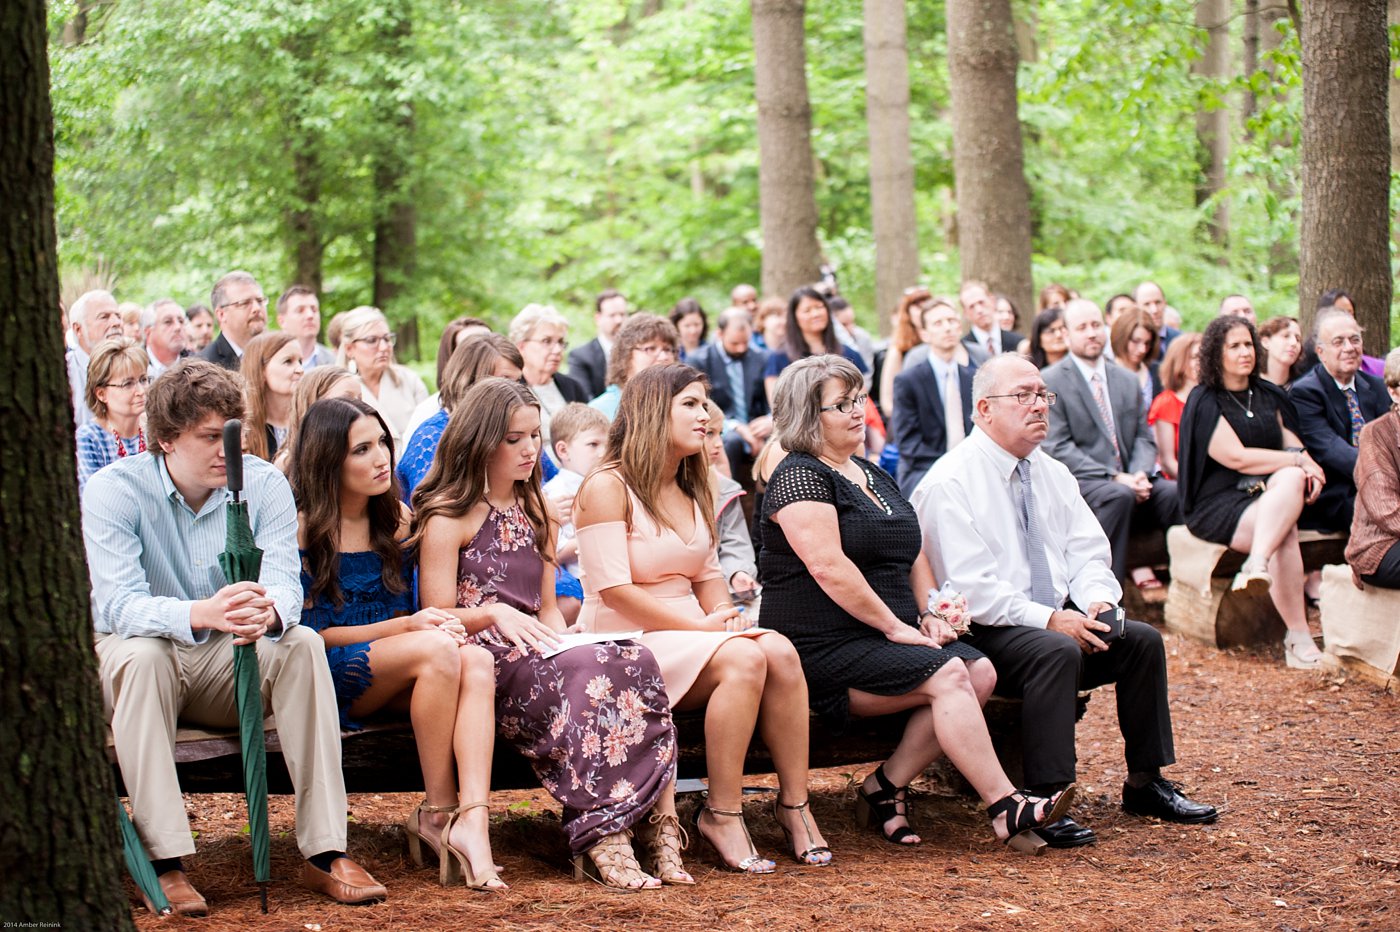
1042, 587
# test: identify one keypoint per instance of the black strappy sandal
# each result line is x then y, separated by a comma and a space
873, 810
1021, 821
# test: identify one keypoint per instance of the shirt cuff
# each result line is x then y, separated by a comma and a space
1036, 615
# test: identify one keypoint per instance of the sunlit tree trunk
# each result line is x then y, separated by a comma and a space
787, 203
1346, 161
1213, 121
994, 217
891, 162
395, 224
59, 854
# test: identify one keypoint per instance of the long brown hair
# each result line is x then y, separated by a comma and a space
457, 479
313, 386
639, 443
256, 355
317, 462
472, 360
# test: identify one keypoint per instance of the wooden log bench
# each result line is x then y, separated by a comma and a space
382, 757
1360, 629
1200, 604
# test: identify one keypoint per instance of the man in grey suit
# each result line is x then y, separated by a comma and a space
1098, 428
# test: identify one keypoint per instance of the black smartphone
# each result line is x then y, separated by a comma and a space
745, 595
1114, 618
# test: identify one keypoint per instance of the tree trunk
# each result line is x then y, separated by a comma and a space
1212, 120
1250, 64
891, 161
1283, 259
308, 246
1393, 19
994, 216
59, 853
787, 203
395, 224
1345, 232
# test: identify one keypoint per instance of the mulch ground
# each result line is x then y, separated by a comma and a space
1305, 768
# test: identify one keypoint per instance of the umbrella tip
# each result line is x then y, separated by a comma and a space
262, 895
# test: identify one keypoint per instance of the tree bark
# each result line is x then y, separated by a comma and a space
891, 161
1345, 231
787, 203
994, 216
59, 853
395, 224
1393, 19
1212, 121
1250, 64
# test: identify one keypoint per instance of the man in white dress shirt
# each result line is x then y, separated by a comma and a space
1006, 525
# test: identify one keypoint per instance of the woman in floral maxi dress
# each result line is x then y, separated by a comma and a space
594, 720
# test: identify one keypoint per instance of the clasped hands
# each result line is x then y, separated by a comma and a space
1138, 482
1081, 626
243, 609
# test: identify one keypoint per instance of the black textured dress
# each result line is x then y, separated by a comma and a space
1215, 502
840, 652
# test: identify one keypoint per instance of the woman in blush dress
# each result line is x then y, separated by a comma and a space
646, 539
593, 719
382, 653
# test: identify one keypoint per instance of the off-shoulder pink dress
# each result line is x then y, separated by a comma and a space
656, 559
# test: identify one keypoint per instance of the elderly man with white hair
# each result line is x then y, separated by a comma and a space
1004, 524
163, 322
94, 317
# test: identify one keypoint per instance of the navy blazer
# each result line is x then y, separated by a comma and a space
588, 366
710, 359
221, 353
919, 431
1324, 424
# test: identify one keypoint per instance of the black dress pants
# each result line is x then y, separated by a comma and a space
1118, 511
1047, 669
1387, 575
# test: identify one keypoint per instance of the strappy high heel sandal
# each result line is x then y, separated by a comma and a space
1021, 820
665, 839
815, 855
453, 863
873, 810
413, 828
753, 864
612, 863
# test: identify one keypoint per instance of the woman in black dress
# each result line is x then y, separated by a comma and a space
1245, 475
844, 576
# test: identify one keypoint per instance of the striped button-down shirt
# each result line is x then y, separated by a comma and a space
151, 556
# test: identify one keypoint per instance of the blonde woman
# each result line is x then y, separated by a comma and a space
271, 369
116, 395
542, 334
367, 349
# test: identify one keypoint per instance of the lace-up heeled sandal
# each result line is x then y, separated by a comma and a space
814, 855
752, 864
665, 839
612, 863
1021, 820
873, 810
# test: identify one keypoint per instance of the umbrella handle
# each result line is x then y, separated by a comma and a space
233, 455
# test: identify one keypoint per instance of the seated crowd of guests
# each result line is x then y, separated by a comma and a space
561, 561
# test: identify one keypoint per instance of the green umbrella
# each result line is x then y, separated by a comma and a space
242, 561
139, 865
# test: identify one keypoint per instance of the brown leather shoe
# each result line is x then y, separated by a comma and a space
347, 882
184, 898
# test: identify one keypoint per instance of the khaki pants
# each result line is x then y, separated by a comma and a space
149, 683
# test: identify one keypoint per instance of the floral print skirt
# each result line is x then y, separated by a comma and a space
595, 723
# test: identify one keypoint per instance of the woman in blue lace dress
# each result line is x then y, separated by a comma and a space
594, 719
384, 655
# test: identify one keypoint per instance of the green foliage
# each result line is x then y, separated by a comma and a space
559, 148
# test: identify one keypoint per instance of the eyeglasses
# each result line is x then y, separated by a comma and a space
247, 304
129, 384
384, 339
848, 405
1029, 398
1352, 340
552, 343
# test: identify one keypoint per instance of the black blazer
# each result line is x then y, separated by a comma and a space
571, 389
221, 353
588, 366
920, 434
710, 359
1324, 424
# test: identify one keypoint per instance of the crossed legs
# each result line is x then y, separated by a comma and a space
1268, 532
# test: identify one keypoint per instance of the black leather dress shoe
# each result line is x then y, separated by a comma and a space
1162, 799
1067, 833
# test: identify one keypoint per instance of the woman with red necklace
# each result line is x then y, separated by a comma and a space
116, 393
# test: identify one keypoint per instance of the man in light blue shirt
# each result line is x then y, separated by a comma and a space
167, 619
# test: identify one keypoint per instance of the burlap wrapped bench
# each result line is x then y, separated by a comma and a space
1360, 628
1200, 604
